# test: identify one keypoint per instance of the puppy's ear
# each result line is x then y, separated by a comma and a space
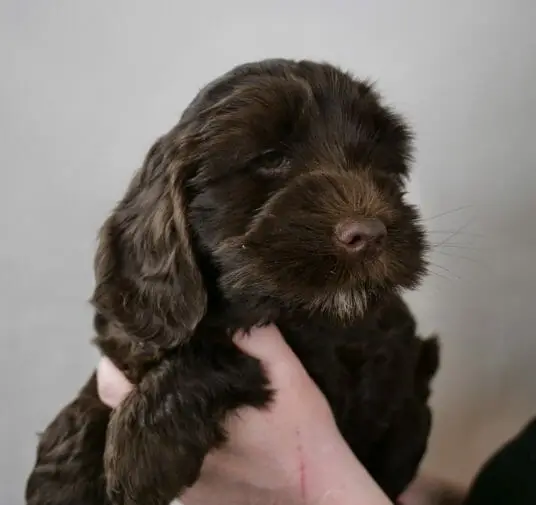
148, 285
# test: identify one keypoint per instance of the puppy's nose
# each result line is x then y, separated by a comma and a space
358, 234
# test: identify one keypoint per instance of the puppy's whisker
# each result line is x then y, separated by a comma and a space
452, 255
456, 246
446, 232
453, 234
445, 270
446, 213
467, 258
436, 274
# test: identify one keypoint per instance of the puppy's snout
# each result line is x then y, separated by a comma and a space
355, 235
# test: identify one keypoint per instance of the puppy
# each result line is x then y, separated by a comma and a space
278, 197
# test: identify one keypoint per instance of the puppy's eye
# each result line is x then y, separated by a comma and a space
271, 163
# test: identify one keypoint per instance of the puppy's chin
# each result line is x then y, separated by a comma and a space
345, 305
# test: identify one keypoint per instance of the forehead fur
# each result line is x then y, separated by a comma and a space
299, 107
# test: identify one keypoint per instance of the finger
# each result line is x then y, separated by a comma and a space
264, 343
268, 345
112, 385
426, 490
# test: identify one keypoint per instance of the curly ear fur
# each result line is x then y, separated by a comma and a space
148, 285
149, 297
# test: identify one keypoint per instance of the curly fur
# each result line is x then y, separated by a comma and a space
228, 224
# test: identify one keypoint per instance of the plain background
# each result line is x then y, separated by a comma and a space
86, 87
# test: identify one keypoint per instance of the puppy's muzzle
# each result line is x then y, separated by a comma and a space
345, 212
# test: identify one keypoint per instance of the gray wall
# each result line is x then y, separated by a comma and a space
87, 86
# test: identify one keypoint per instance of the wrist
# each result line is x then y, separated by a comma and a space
332, 475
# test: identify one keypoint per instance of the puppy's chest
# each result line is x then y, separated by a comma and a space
365, 372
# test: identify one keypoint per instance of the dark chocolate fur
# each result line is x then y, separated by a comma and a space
229, 224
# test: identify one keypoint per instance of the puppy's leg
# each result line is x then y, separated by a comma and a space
69, 467
159, 436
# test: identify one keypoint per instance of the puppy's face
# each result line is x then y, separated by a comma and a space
298, 193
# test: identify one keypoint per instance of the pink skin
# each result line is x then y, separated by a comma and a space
289, 454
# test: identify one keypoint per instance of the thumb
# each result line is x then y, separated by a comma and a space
267, 344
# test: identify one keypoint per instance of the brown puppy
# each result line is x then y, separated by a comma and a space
278, 197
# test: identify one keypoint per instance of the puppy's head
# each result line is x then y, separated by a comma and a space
288, 179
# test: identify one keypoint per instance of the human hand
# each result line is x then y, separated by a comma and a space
290, 453
432, 490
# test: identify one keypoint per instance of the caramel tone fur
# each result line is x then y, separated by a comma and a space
229, 224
